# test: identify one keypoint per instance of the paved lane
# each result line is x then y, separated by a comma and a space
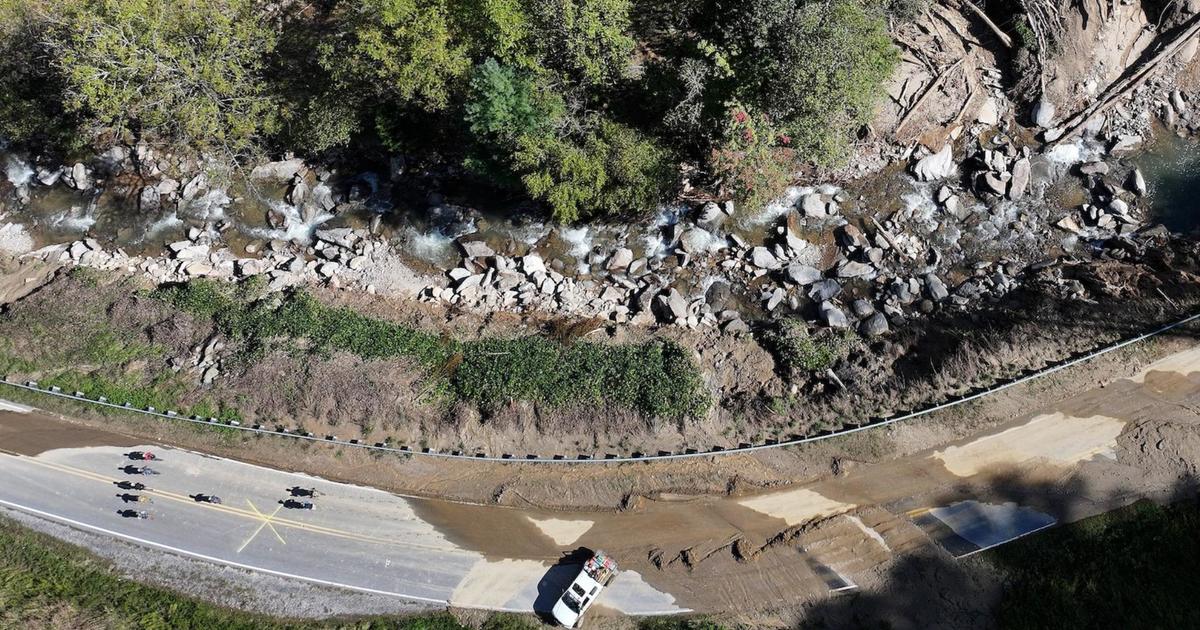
357, 537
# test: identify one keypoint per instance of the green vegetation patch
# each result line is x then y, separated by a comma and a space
797, 350
656, 378
47, 583
1131, 568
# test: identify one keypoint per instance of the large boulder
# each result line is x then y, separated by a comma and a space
1021, 172
802, 274
762, 258
1043, 113
937, 166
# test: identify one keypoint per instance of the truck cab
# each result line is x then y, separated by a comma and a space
597, 572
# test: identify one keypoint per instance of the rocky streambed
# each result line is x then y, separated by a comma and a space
936, 230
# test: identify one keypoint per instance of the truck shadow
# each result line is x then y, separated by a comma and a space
557, 579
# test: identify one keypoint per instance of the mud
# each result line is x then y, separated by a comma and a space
36, 432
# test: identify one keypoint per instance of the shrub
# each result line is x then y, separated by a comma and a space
795, 349
754, 161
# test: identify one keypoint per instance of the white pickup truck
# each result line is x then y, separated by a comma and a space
597, 573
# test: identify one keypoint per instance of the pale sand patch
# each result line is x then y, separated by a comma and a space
1055, 438
6, 405
796, 506
494, 584
870, 531
562, 532
1181, 362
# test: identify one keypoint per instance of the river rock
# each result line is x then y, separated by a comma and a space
476, 249
825, 290
532, 263
813, 206
1043, 113
862, 308
937, 166
802, 274
1021, 171
1137, 182
1094, 168
148, 199
79, 179
762, 258
833, 316
990, 182
621, 259
710, 216
989, 112
281, 170
673, 305
854, 269
936, 288
875, 325
49, 176
1177, 101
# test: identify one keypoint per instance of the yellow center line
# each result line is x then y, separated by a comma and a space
266, 522
268, 519
182, 498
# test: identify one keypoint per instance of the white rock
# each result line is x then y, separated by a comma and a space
937, 166
762, 258
1043, 113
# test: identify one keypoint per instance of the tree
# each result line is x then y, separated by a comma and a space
586, 41
188, 73
31, 94
504, 105
401, 51
816, 67
612, 170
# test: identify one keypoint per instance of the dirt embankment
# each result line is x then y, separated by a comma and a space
112, 332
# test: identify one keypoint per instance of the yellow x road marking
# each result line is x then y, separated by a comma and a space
266, 522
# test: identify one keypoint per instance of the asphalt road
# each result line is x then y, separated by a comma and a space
357, 537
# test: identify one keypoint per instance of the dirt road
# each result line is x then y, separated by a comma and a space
1107, 446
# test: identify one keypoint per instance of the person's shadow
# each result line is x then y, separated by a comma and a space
557, 579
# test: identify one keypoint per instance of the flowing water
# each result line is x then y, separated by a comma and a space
1172, 169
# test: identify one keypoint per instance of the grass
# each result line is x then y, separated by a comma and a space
47, 583
657, 378
1132, 568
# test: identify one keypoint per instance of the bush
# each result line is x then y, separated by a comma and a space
754, 162
795, 349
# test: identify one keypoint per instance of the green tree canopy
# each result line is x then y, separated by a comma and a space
185, 72
402, 51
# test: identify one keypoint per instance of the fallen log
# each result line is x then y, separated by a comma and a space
1122, 87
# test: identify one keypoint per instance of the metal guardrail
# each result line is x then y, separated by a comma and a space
591, 458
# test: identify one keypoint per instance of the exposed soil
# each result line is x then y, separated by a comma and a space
36, 432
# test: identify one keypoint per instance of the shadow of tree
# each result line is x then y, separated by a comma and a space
1133, 567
